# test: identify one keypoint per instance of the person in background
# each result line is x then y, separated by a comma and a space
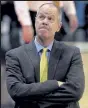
35, 74
82, 10
9, 22
26, 12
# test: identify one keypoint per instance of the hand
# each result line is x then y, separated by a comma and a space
60, 83
27, 33
73, 22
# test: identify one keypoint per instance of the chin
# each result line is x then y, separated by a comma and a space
43, 34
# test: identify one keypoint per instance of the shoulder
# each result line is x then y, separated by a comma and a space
67, 48
17, 51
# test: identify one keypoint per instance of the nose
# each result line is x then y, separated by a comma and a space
45, 21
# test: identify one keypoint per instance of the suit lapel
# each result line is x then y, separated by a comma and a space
55, 56
35, 59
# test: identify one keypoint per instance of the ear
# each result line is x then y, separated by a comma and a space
59, 26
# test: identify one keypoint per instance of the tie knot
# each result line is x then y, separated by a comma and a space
44, 50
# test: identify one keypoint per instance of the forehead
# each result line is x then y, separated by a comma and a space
48, 9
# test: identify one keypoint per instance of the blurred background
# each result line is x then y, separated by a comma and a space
12, 37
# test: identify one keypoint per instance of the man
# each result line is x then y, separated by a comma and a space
63, 85
26, 12
10, 21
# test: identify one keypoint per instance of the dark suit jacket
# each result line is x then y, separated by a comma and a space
65, 64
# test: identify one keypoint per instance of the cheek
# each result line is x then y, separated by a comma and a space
36, 23
36, 27
55, 28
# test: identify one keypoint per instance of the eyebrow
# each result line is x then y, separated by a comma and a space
47, 13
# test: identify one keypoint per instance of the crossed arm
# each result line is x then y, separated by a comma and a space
50, 90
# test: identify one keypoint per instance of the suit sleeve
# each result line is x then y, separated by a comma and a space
72, 90
16, 85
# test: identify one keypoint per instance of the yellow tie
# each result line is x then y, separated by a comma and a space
44, 66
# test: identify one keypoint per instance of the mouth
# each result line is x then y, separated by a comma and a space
44, 28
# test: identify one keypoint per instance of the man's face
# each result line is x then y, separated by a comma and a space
47, 22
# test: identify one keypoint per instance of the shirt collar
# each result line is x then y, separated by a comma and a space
40, 47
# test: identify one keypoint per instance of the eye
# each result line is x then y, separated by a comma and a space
41, 17
50, 19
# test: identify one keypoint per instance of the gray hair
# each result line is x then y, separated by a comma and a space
58, 9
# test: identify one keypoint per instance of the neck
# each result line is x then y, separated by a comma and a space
44, 42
